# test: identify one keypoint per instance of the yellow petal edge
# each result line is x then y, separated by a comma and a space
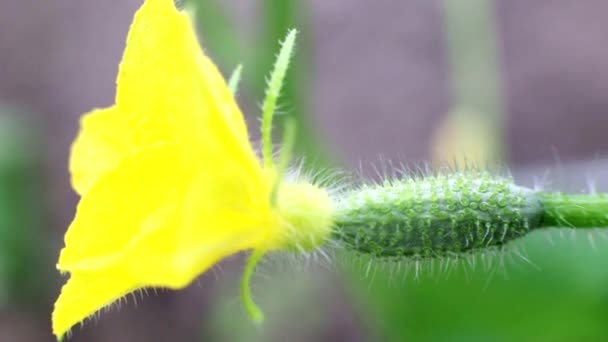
169, 182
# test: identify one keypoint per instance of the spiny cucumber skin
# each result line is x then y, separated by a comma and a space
436, 216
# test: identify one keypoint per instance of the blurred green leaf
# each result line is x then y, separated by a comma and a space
220, 37
22, 256
563, 297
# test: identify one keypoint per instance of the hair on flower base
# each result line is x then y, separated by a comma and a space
170, 185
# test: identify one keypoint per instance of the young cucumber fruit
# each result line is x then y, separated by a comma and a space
436, 216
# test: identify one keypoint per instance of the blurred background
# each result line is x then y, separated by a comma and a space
515, 82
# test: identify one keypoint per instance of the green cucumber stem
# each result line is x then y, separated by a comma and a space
575, 211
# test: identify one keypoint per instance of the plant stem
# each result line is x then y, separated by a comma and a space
575, 211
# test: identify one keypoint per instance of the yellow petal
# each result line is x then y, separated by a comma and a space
161, 219
140, 193
82, 296
168, 90
166, 84
103, 140
160, 190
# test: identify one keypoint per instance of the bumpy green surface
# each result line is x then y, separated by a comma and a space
436, 216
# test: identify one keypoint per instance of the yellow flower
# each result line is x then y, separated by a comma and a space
168, 180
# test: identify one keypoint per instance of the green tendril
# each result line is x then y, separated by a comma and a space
235, 79
252, 310
273, 92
